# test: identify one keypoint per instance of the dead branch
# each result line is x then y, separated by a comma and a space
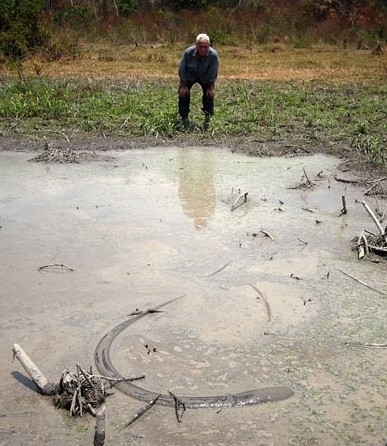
17, 414
220, 269
55, 265
363, 283
376, 183
113, 381
305, 300
44, 387
180, 407
366, 344
365, 243
374, 218
344, 208
306, 176
267, 234
264, 300
241, 199
360, 246
305, 182
56, 155
11, 431
100, 433
79, 393
142, 411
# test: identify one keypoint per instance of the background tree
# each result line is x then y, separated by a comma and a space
21, 27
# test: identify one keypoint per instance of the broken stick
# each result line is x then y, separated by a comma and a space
241, 199
142, 411
43, 385
363, 283
374, 218
344, 203
100, 433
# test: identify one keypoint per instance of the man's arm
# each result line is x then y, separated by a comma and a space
183, 75
212, 73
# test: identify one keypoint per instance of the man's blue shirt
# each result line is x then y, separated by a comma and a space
193, 68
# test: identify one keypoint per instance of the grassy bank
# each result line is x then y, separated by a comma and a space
318, 97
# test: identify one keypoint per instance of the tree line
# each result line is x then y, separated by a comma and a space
25, 25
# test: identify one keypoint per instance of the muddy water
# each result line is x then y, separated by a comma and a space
265, 302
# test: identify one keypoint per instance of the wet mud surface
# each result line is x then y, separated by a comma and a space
266, 302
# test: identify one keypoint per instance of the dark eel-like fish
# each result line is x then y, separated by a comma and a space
106, 368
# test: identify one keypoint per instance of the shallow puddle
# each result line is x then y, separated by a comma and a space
265, 300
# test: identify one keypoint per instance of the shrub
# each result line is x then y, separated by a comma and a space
22, 30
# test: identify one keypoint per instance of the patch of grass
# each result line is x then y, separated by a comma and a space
313, 112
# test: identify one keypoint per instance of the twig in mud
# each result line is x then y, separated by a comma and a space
267, 234
365, 242
362, 246
134, 378
279, 209
142, 411
264, 300
306, 176
307, 184
240, 199
55, 265
220, 269
383, 215
85, 375
344, 203
302, 241
366, 344
113, 381
363, 283
376, 183
136, 312
17, 414
179, 407
305, 300
11, 431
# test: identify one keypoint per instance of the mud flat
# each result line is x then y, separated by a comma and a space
266, 302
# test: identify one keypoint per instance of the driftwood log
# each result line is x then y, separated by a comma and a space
43, 385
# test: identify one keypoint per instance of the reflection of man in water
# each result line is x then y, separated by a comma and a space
196, 185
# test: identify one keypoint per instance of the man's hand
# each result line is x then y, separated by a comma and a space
183, 91
210, 92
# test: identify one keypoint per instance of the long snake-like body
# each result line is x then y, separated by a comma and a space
106, 368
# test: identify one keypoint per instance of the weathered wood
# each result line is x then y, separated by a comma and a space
374, 218
142, 411
268, 235
100, 432
241, 199
33, 371
363, 283
343, 201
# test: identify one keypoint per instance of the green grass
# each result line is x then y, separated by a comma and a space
313, 112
